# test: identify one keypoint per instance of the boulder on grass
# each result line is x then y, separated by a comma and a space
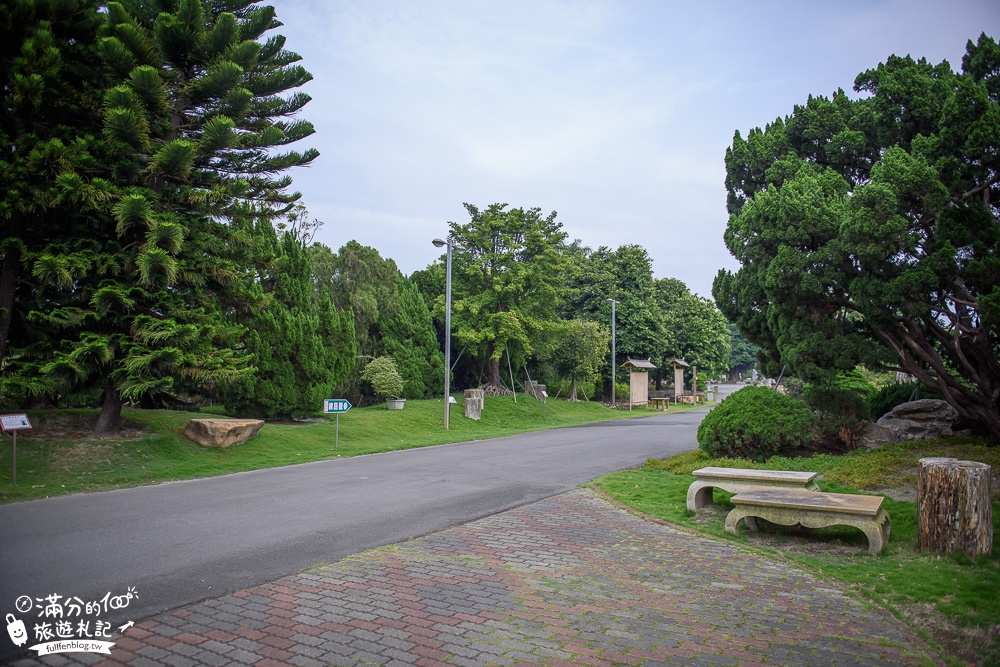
872, 436
222, 432
921, 420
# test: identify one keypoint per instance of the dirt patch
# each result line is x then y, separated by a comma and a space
802, 541
906, 492
968, 643
70, 426
80, 456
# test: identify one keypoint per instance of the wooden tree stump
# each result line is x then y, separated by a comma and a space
473, 403
954, 509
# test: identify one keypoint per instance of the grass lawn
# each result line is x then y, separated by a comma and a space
952, 600
57, 457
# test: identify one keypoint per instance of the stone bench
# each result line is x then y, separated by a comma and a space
812, 509
735, 480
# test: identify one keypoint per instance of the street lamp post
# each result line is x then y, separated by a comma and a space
613, 304
447, 323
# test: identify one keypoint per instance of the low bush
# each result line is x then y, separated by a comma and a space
384, 378
756, 422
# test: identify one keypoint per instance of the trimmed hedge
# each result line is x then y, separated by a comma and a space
755, 423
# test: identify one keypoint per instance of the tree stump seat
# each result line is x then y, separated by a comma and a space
813, 509
735, 480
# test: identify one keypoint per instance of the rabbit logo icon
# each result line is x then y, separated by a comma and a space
15, 628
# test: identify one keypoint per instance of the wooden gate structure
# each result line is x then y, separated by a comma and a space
638, 381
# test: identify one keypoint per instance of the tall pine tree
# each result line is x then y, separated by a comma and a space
48, 118
408, 336
302, 348
195, 123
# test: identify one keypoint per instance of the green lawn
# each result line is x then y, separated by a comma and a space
952, 599
159, 452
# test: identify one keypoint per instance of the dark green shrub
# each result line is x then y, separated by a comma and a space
840, 403
793, 386
839, 407
884, 400
756, 422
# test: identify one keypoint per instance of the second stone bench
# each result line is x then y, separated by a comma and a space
735, 480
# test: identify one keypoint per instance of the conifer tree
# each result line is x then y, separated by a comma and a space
195, 123
301, 347
409, 337
47, 122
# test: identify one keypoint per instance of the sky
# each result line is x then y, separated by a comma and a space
616, 114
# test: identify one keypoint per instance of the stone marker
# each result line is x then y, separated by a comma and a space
473, 403
954, 508
222, 432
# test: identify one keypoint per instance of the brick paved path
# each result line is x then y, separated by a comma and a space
568, 580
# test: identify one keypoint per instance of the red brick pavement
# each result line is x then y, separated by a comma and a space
570, 580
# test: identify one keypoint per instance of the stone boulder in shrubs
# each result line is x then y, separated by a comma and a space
755, 423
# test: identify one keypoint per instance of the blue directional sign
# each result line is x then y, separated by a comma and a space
336, 406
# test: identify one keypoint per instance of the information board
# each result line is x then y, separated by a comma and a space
14, 422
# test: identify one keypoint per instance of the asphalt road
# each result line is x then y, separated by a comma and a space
181, 542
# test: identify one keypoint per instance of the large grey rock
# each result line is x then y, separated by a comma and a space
222, 432
921, 420
873, 436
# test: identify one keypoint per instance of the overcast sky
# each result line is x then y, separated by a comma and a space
616, 114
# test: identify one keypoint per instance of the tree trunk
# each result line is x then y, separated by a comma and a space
8, 279
494, 383
572, 391
954, 507
109, 421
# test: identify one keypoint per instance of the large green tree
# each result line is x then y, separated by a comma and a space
301, 347
196, 120
699, 332
868, 232
506, 282
742, 355
408, 336
48, 118
626, 275
575, 349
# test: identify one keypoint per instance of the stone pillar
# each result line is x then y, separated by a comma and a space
474, 403
954, 507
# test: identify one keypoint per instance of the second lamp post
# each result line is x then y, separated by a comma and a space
613, 369
447, 323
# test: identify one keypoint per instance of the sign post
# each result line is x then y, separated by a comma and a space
14, 423
336, 406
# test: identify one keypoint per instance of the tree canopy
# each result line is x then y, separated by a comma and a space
507, 281
867, 230
140, 290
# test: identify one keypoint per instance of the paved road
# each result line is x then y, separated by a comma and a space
568, 580
182, 542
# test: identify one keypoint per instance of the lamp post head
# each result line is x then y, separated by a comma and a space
438, 243
457, 248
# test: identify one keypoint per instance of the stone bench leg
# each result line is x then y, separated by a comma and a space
876, 529
740, 514
699, 495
